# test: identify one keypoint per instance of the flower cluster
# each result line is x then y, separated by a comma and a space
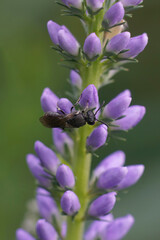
66, 195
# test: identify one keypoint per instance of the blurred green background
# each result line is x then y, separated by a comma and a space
27, 65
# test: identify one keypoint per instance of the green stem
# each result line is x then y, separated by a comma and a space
81, 168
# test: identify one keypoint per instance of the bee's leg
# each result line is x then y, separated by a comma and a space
60, 110
76, 103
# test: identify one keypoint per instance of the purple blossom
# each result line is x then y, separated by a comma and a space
116, 159
135, 45
37, 170
102, 205
62, 139
117, 106
49, 101
95, 5
45, 230
65, 176
74, 3
92, 46
115, 14
112, 177
65, 105
47, 157
70, 203
127, 3
118, 42
89, 97
96, 228
133, 175
118, 228
53, 29
75, 79
97, 138
133, 115
46, 205
68, 42
23, 235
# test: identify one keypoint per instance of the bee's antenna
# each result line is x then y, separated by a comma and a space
102, 122
99, 108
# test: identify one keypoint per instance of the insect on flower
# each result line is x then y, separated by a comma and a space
75, 119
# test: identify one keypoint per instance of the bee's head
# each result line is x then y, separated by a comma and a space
90, 117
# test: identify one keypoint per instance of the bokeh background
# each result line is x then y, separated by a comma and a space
28, 65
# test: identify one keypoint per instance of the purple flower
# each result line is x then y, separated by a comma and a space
95, 5
118, 42
96, 228
75, 79
97, 138
65, 105
53, 29
112, 177
37, 170
133, 115
92, 46
45, 230
23, 235
117, 106
65, 176
102, 205
46, 204
89, 97
127, 3
68, 43
70, 203
64, 229
61, 140
118, 228
115, 14
135, 45
47, 157
49, 101
116, 159
133, 175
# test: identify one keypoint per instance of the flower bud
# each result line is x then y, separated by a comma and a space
68, 42
53, 29
65, 105
135, 45
95, 5
118, 42
127, 3
23, 235
47, 157
75, 3
92, 46
65, 176
49, 101
70, 203
112, 177
89, 97
102, 205
62, 140
64, 229
133, 175
97, 138
118, 228
75, 79
45, 230
133, 115
46, 204
96, 228
117, 106
37, 171
116, 159
115, 14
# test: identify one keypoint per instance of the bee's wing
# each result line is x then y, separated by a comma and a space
55, 120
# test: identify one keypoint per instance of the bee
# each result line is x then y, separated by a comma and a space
74, 119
